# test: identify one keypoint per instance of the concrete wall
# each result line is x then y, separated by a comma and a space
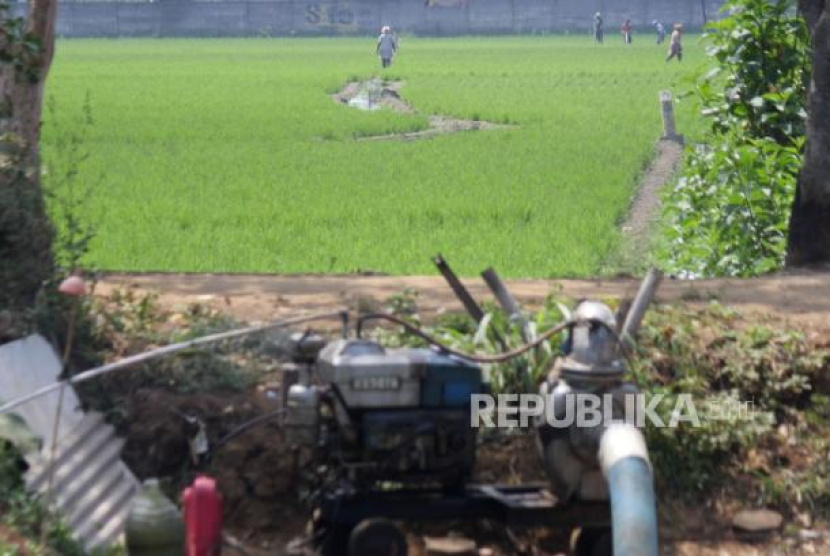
176, 18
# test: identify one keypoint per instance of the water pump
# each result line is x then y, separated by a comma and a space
393, 429
604, 459
591, 370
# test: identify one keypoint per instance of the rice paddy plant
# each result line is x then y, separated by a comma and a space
230, 155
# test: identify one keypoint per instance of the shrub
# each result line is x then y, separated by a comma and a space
763, 376
729, 211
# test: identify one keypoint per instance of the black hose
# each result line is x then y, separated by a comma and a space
500, 358
244, 427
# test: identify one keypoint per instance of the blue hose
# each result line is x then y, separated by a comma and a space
631, 488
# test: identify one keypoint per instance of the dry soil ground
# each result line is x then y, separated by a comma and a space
802, 298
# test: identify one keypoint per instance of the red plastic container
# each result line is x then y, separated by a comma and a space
202, 518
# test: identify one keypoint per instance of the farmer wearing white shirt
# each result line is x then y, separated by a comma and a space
661, 31
387, 46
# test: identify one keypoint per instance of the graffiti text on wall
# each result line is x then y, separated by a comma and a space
334, 16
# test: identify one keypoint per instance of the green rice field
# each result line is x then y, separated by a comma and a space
230, 156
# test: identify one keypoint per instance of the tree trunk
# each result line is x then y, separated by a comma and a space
809, 236
26, 260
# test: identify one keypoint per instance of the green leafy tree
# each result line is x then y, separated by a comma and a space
758, 84
728, 213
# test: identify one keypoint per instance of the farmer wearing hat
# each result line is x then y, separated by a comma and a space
387, 46
675, 47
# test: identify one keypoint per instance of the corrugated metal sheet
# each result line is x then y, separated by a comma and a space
91, 486
27, 365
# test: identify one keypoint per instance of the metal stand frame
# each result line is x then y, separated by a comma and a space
513, 505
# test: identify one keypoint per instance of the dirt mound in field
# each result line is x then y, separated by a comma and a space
375, 94
158, 432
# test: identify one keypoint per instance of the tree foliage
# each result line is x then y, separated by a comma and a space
728, 213
759, 83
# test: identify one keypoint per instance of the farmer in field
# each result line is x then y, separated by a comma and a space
675, 46
598, 32
625, 30
661, 31
387, 46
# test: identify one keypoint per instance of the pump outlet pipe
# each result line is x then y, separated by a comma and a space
624, 458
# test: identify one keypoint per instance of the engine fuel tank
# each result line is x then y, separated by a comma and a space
370, 376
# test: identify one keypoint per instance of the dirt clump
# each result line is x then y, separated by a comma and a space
257, 475
255, 470
161, 426
374, 94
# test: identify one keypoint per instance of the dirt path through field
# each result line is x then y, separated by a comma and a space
804, 296
646, 201
639, 227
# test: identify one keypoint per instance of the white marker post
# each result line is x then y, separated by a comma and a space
669, 131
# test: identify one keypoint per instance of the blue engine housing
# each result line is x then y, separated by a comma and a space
409, 410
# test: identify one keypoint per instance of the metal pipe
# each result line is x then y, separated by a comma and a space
635, 315
508, 303
471, 305
667, 111
514, 312
163, 351
473, 308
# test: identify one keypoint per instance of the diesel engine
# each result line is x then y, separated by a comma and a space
384, 415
